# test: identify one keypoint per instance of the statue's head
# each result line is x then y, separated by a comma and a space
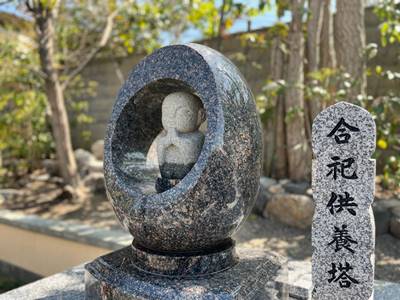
182, 111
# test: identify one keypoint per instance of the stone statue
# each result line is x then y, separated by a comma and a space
179, 144
182, 244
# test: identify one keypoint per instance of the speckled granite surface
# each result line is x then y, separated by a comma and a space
257, 275
343, 230
210, 203
69, 285
186, 264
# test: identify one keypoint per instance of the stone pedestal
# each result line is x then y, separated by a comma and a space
257, 275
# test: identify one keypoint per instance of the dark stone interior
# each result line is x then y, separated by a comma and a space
137, 127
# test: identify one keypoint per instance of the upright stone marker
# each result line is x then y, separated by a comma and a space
343, 231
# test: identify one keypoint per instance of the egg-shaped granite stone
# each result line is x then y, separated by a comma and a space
199, 215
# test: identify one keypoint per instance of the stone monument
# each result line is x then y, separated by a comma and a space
343, 230
188, 120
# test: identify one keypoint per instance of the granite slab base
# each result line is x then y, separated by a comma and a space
258, 274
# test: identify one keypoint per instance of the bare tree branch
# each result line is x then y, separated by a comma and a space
28, 5
118, 71
102, 43
74, 55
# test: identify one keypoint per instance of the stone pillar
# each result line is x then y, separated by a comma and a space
343, 231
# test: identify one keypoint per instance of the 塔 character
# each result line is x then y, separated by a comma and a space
344, 279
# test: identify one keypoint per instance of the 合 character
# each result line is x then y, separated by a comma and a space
342, 136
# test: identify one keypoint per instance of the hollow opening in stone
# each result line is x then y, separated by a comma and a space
159, 136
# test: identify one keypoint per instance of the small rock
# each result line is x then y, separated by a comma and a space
299, 188
23, 181
68, 193
87, 162
276, 189
41, 177
95, 182
266, 182
284, 181
309, 192
263, 195
83, 157
396, 211
56, 180
382, 218
97, 149
395, 226
95, 166
389, 204
10, 194
291, 209
51, 167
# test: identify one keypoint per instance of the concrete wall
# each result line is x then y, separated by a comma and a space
106, 74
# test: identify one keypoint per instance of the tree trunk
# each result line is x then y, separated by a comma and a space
328, 58
55, 97
314, 26
350, 42
221, 26
279, 159
298, 149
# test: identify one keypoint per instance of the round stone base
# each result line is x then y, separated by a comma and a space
190, 264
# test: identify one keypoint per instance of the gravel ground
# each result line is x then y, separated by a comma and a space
296, 244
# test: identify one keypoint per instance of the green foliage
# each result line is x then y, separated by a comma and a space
136, 28
140, 23
331, 85
266, 100
206, 15
24, 132
385, 111
389, 12
385, 108
76, 97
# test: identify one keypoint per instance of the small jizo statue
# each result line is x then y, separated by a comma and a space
180, 143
